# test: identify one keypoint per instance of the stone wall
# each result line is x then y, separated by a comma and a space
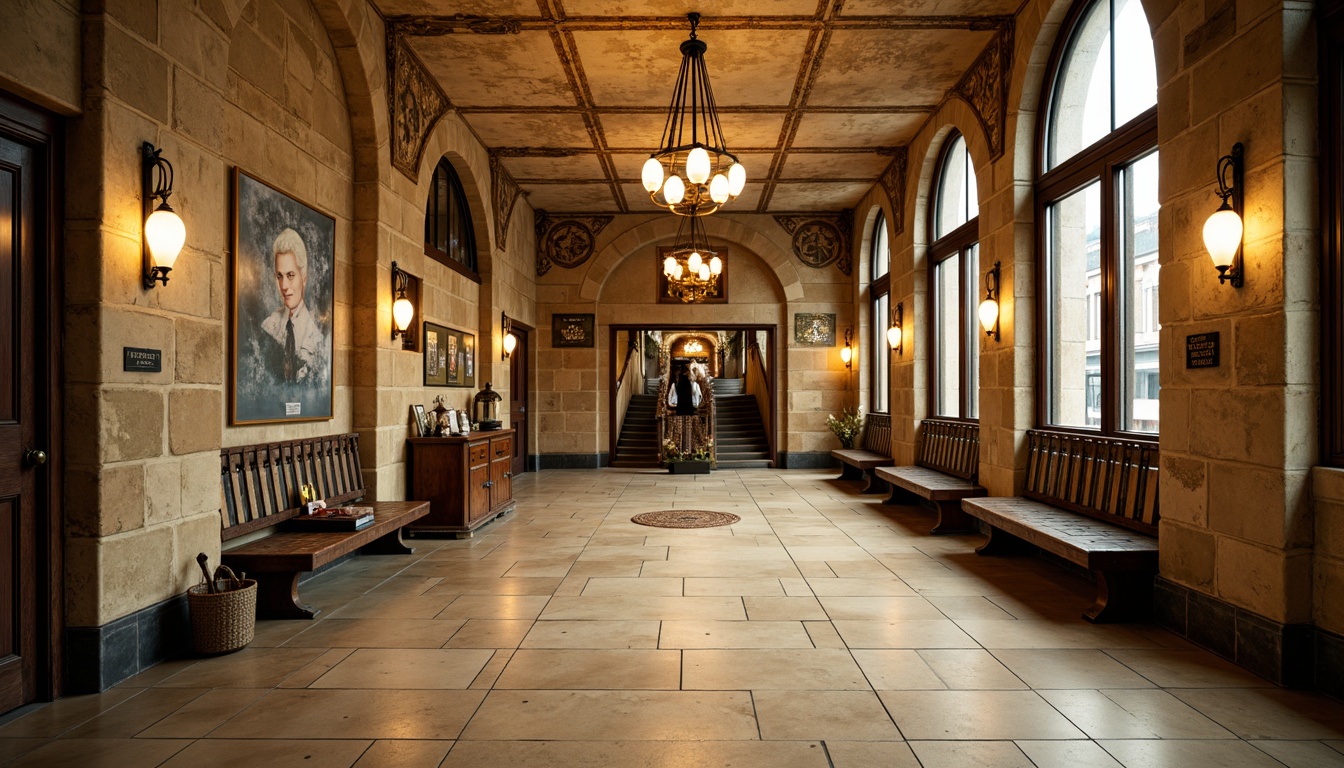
40, 53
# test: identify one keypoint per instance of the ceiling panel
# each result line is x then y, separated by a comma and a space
929, 7
580, 167
748, 67
742, 131
818, 196
520, 70
570, 198
856, 130
531, 129
746, 202
894, 67
834, 165
682, 7
469, 7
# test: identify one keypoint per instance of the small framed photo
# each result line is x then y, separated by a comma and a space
813, 330
573, 330
421, 420
450, 357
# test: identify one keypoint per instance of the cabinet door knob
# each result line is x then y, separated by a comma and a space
508, 474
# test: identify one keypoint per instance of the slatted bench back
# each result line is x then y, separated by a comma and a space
877, 433
952, 447
261, 483
1107, 478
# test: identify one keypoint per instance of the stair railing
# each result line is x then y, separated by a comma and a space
625, 387
757, 384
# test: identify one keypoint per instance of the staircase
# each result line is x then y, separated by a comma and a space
638, 443
727, 387
739, 430
651, 385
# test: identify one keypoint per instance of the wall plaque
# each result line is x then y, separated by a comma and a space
572, 331
1201, 350
141, 360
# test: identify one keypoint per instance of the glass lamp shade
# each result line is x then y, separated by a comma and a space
697, 166
165, 234
718, 189
1222, 236
737, 179
704, 272
670, 266
486, 407
677, 275
989, 315
402, 313
674, 190
693, 261
510, 343
846, 355
652, 175
716, 266
894, 334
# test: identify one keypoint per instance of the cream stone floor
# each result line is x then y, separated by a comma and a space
824, 629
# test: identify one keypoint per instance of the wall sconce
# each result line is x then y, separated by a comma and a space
989, 308
164, 233
1223, 230
847, 353
403, 311
510, 342
896, 333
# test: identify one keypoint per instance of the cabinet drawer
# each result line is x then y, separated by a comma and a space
501, 447
478, 453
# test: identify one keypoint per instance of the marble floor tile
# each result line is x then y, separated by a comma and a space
354, 714
732, 670
760, 587
1186, 668
592, 669
599, 586
871, 754
494, 607
294, 753
1301, 754
970, 754
627, 608
784, 609
1133, 714
904, 634
1269, 713
625, 754
734, 634
490, 633
823, 715
374, 633
1178, 753
398, 668
1069, 668
597, 715
897, 670
399, 753
880, 586
203, 714
976, 716
101, 753
248, 668
879, 608
1067, 754
594, 634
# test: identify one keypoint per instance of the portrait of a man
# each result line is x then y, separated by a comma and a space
284, 255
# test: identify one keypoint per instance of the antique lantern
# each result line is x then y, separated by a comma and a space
487, 408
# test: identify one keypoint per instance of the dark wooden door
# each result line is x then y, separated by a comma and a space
23, 179
518, 415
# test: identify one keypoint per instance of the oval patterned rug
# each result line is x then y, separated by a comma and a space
685, 518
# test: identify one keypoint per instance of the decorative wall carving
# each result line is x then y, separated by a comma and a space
985, 88
415, 103
821, 239
504, 192
433, 26
566, 241
893, 182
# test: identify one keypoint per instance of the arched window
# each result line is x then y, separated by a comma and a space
880, 310
954, 271
449, 238
1097, 209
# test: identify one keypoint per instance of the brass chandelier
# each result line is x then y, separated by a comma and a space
693, 173
692, 268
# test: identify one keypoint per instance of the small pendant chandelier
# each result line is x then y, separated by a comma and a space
693, 173
692, 268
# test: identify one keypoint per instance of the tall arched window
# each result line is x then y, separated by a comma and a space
954, 271
1097, 208
449, 238
879, 318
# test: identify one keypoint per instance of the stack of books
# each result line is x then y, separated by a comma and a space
335, 519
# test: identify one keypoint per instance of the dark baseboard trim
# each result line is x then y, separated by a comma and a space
573, 460
802, 460
1287, 654
97, 658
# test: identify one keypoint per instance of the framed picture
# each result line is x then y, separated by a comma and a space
719, 296
450, 357
813, 330
572, 331
284, 258
421, 420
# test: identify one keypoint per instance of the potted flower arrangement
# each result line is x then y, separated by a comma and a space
698, 462
847, 426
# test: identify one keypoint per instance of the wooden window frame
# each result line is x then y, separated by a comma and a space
1330, 25
879, 350
1101, 162
959, 241
456, 192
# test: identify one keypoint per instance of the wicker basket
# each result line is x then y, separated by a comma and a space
225, 620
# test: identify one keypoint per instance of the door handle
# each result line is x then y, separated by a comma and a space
508, 474
35, 457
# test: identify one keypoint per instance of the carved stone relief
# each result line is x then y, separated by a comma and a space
821, 239
985, 88
415, 102
566, 241
893, 182
504, 192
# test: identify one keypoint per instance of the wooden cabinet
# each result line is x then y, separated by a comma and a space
468, 481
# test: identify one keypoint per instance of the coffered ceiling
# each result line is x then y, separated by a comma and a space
813, 95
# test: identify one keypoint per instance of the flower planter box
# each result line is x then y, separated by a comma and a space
689, 467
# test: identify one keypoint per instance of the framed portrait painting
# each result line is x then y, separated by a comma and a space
284, 260
450, 357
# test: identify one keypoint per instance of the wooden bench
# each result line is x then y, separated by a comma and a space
856, 463
261, 489
1093, 502
944, 473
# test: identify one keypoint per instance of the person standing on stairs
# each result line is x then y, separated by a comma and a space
685, 428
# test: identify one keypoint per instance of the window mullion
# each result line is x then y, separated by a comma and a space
1110, 298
